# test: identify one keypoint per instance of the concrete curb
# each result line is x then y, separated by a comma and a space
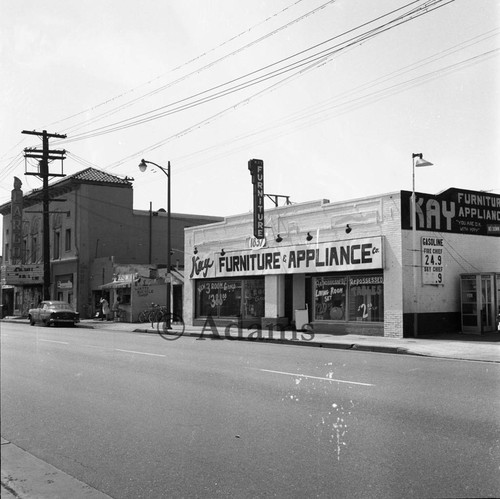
25, 476
284, 341
456, 349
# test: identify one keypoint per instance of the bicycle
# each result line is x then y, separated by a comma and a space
151, 314
157, 314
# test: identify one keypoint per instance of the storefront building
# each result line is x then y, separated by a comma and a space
346, 267
91, 218
134, 288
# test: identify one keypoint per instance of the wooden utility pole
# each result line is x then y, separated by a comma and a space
44, 156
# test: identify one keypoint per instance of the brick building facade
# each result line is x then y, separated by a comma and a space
347, 267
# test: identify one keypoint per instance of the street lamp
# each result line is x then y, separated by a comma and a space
143, 166
417, 161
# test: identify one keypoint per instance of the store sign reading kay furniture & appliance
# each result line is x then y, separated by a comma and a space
356, 254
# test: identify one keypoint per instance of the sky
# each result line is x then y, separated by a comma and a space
333, 96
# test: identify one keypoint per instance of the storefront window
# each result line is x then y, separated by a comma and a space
366, 298
330, 298
230, 298
349, 298
254, 298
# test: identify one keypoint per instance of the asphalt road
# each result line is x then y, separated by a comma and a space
136, 416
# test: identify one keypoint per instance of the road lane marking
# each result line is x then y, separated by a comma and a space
55, 341
317, 377
140, 353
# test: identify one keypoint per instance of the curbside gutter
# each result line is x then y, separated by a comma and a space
285, 341
487, 350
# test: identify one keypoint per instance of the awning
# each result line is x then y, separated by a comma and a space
177, 276
116, 285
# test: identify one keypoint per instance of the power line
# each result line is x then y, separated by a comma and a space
188, 102
197, 71
311, 116
246, 100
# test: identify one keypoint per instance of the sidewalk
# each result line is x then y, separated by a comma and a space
484, 347
27, 477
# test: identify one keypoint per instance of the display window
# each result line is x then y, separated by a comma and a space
366, 298
349, 298
330, 298
230, 298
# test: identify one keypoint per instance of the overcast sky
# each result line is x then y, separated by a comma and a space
332, 95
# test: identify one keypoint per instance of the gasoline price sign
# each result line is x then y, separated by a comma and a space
432, 260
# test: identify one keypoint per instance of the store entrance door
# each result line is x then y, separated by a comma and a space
477, 303
487, 316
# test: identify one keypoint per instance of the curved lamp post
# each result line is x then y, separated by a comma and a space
143, 165
417, 161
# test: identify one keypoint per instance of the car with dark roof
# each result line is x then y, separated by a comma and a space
53, 312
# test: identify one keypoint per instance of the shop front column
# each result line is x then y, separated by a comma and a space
275, 302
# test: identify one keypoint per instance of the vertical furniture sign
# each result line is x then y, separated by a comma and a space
256, 167
432, 260
16, 222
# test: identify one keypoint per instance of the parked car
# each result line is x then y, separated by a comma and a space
53, 312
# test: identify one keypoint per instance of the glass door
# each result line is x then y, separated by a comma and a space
487, 309
469, 305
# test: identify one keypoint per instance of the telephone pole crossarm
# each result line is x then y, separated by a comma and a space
43, 157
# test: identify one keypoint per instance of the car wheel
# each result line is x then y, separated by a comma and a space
32, 322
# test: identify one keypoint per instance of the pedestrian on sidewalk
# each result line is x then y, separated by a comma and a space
105, 309
116, 309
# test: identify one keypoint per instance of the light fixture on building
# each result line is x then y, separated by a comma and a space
348, 229
279, 239
195, 251
222, 253
309, 237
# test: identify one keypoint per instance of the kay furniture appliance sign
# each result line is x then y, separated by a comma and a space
356, 254
454, 210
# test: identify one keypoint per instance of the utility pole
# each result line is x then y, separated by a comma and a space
44, 156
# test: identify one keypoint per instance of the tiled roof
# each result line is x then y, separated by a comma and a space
94, 175
89, 175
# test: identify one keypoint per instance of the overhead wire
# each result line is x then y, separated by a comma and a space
196, 71
309, 119
310, 111
247, 99
147, 116
199, 70
455, 255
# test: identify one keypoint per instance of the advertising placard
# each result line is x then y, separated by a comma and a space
432, 260
22, 274
256, 167
455, 210
355, 254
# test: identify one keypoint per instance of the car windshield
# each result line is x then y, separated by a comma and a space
60, 306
